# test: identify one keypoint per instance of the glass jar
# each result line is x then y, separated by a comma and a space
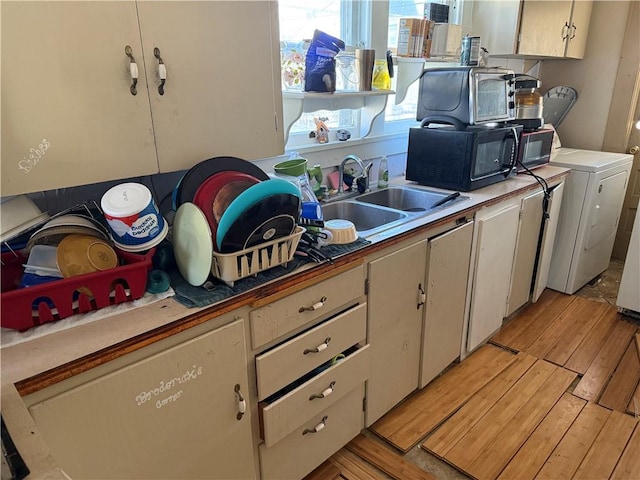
346, 73
528, 103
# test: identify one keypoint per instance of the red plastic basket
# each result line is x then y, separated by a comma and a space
24, 308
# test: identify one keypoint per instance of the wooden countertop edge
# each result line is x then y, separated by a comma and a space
256, 298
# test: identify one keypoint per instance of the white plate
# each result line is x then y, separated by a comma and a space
18, 214
192, 244
20, 229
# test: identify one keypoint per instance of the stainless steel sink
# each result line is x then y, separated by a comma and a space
407, 199
383, 209
366, 217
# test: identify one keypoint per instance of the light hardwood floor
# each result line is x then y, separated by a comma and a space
554, 394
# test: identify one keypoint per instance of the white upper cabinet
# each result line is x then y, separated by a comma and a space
532, 28
222, 94
70, 117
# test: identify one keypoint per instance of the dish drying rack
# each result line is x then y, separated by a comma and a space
231, 267
24, 308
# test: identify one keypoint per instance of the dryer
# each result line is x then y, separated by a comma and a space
589, 215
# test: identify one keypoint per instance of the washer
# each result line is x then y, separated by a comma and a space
589, 215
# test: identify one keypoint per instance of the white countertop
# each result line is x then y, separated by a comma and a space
28, 359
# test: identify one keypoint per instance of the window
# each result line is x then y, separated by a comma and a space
298, 20
352, 21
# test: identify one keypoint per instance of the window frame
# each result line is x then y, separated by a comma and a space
359, 32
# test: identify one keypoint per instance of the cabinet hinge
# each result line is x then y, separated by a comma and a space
366, 286
275, 120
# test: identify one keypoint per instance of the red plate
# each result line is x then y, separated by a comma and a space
218, 191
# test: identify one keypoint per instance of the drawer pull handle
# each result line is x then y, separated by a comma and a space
319, 348
317, 428
315, 306
242, 403
325, 393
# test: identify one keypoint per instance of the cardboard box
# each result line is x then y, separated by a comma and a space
446, 40
414, 36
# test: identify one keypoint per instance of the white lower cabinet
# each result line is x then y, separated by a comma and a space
174, 414
524, 261
395, 300
446, 288
547, 239
496, 229
310, 384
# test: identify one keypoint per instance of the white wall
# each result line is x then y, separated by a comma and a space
593, 77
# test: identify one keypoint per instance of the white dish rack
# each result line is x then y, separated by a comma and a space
230, 267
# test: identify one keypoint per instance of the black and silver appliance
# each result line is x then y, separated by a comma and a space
464, 159
466, 95
529, 106
535, 149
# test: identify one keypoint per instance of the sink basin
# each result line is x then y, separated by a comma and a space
406, 199
367, 218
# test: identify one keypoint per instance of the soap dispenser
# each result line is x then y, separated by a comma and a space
383, 173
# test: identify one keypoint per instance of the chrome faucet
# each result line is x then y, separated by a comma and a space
365, 169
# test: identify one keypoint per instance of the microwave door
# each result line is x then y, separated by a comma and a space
488, 159
494, 154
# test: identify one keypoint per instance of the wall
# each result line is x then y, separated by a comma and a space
593, 77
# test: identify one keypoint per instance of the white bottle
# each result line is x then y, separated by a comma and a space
383, 173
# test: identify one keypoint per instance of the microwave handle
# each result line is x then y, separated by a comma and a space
443, 119
514, 153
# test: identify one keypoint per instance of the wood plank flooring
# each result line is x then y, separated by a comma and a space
554, 395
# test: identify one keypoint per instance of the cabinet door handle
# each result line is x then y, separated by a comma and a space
317, 428
319, 348
325, 393
565, 31
573, 30
162, 70
242, 403
421, 296
316, 306
133, 70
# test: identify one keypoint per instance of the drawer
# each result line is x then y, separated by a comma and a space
299, 453
289, 361
283, 316
284, 415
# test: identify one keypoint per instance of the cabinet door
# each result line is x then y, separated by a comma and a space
546, 243
222, 95
580, 18
447, 274
69, 117
542, 27
495, 241
172, 415
526, 247
395, 327
496, 22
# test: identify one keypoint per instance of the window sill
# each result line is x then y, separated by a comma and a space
372, 104
349, 144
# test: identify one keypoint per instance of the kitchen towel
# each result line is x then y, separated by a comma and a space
191, 296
